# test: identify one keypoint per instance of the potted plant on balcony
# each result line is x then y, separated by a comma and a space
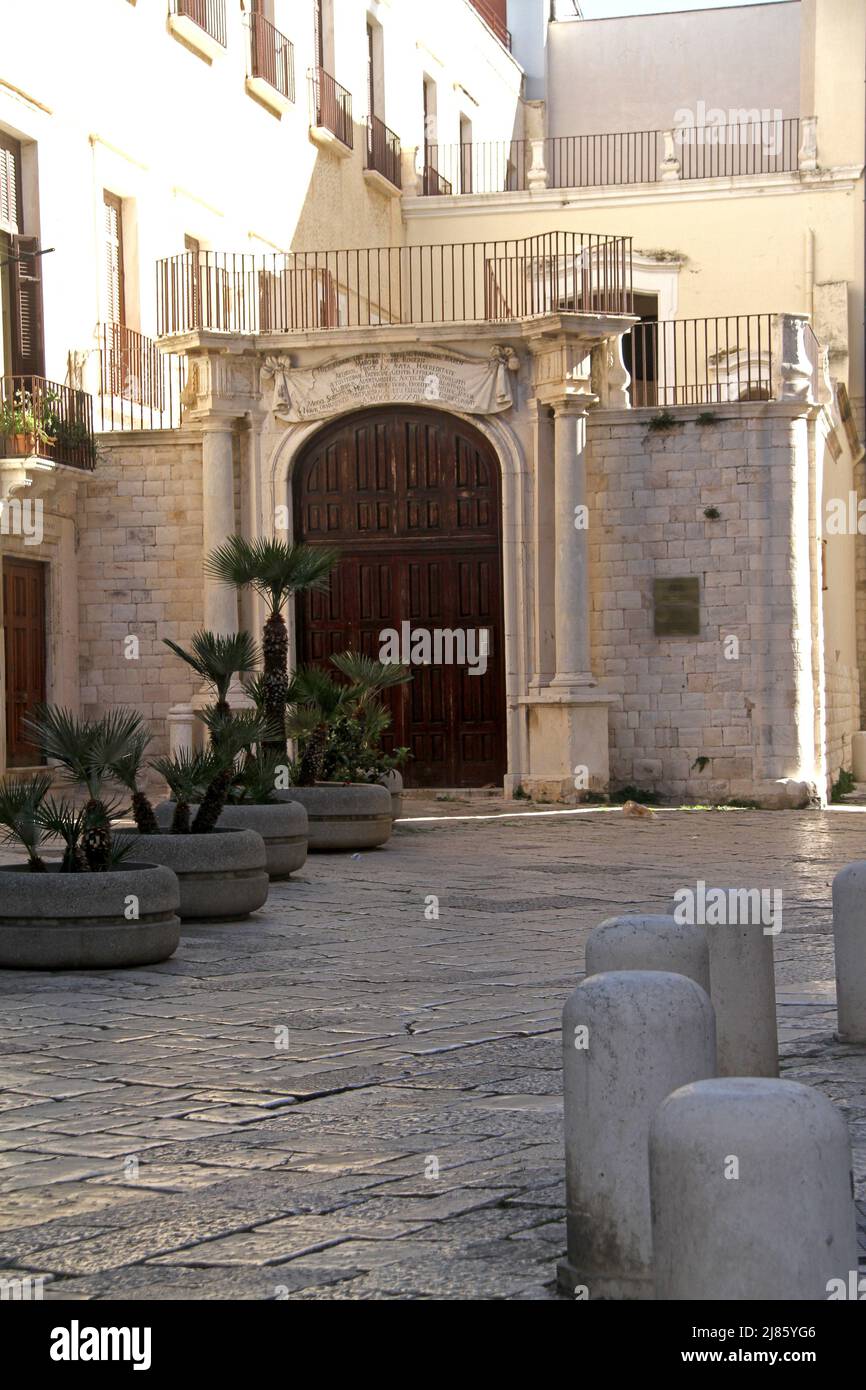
342, 775
95, 907
73, 442
20, 423
221, 878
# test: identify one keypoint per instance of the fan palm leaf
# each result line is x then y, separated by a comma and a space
187, 775
127, 770
86, 749
275, 568
218, 658
20, 802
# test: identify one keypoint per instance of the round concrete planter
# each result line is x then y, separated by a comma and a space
345, 815
222, 875
281, 824
55, 921
393, 782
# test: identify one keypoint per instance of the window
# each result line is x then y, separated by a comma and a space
465, 155
114, 272
10, 183
640, 351
677, 607
430, 133
371, 72
320, 25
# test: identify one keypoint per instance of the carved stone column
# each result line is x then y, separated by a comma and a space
218, 506
571, 547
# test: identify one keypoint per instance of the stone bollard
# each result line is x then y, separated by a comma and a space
742, 977
751, 1193
630, 1037
649, 941
849, 936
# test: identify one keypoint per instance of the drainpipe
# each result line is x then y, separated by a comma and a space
810, 274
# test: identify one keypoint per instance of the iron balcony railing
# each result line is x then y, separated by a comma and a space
139, 386
618, 158
745, 147
209, 15
493, 21
297, 291
704, 361
271, 55
47, 420
331, 106
433, 185
383, 150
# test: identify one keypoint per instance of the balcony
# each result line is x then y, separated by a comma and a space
331, 113
303, 291
722, 360
42, 419
271, 64
493, 21
621, 158
139, 386
383, 157
433, 185
200, 25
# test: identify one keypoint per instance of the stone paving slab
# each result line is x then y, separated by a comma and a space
162, 1137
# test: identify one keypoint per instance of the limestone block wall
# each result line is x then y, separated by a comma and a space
843, 715
708, 717
140, 572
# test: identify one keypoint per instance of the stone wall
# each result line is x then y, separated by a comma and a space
706, 717
140, 572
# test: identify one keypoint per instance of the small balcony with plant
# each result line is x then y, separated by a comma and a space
44, 420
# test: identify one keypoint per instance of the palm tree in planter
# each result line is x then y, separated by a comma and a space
186, 775
232, 770
21, 800
127, 770
218, 658
339, 724
73, 914
276, 570
338, 727
86, 750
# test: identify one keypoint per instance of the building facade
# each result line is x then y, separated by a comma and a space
557, 335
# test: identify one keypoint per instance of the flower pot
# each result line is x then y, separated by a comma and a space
393, 781
344, 815
222, 875
56, 921
20, 445
281, 824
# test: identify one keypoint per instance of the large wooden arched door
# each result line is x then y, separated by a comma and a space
411, 498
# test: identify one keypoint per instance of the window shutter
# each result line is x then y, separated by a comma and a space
10, 182
114, 258
25, 284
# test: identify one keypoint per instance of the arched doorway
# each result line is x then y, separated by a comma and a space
411, 498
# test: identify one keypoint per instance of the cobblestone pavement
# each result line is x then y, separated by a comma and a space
158, 1140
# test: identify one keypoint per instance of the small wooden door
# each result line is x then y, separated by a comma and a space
410, 497
24, 627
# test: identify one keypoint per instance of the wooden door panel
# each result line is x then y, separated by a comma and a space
24, 626
411, 499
